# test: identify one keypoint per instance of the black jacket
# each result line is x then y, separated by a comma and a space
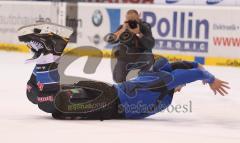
145, 43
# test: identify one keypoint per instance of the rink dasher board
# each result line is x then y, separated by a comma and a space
217, 61
213, 22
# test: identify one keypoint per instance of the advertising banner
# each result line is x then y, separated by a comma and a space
17, 14
238, 2
178, 30
202, 31
170, 2
174, 2
198, 2
216, 2
93, 23
118, 1
184, 30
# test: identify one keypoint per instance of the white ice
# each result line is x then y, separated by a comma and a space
213, 118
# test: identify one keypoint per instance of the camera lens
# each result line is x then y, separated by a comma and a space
125, 37
132, 24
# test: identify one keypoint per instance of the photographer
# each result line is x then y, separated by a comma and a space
134, 48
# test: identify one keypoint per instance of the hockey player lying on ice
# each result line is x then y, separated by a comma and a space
150, 92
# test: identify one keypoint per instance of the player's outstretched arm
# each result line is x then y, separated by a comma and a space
184, 76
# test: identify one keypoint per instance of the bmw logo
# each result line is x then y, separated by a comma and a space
97, 18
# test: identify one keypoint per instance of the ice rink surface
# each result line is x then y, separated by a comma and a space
213, 118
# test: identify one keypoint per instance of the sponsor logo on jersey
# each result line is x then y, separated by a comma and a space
45, 99
40, 86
